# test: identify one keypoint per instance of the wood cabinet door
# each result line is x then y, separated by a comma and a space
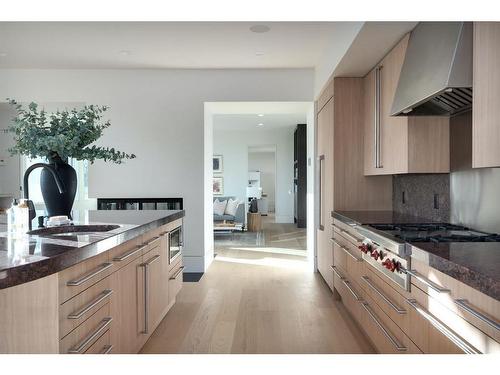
325, 170
393, 130
127, 308
156, 287
486, 89
369, 88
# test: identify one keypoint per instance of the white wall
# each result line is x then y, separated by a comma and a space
158, 115
265, 163
233, 145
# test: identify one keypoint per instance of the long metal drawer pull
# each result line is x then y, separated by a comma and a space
427, 282
101, 297
337, 273
356, 259
399, 310
452, 336
146, 291
321, 160
128, 254
101, 268
106, 349
348, 286
399, 347
464, 304
91, 336
177, 273
350, 236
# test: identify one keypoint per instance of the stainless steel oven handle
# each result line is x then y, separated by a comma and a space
396, 308
397, 345
348, 286
356, 259
426, 281
452, 336
464, 304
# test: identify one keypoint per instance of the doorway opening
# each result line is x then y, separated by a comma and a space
259, 179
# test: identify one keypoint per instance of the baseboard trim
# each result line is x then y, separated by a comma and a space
192, 277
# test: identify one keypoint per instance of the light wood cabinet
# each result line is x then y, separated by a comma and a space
325, 171
486, 89
399, 144
127, 308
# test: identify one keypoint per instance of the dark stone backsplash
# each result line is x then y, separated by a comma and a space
425, 195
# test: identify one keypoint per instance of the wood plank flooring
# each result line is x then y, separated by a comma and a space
257, 302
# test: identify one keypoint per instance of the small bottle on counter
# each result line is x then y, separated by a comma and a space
22, 217
11, 216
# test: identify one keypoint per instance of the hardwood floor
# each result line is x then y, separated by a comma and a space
257, 302
274, 237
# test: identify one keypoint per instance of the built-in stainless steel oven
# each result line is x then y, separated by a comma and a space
175, 240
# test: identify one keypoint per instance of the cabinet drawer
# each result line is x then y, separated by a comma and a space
386, 336
175, 282
83, 275
152, 243
388, 299
477, 308
102, 345
349, 292
339, 255
79, 308
347, 232
125, 253
86, 334
440, 330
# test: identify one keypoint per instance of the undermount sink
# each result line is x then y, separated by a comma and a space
73, 230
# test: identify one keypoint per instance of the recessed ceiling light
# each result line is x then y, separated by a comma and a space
125, 52
260, 115
259, 28
259, 53
260, 124
3, 54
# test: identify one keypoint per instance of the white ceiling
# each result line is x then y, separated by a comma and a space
124, 45
246, 122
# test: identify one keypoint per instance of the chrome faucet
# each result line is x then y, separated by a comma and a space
31, 206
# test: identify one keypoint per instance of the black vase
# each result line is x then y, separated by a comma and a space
56, 203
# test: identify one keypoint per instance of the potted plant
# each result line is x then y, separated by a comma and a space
57, 137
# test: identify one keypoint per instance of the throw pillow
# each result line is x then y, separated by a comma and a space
219, 207
232, 207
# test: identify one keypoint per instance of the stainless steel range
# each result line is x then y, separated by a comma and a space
386, 246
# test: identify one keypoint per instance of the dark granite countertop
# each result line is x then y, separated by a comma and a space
32, 257
476, 264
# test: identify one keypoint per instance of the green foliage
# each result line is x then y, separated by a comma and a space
67, 134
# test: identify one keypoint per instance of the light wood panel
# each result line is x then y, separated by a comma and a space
352, 190
127, 308
29, 314
326, 151
486, 95
326, 95
256, 302
394, 130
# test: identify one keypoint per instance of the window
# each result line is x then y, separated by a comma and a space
82, 200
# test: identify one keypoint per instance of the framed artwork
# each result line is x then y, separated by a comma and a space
217, 163
218, 186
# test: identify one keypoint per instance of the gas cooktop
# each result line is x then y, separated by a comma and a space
435, 232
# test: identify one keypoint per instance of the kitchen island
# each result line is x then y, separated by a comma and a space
90, 293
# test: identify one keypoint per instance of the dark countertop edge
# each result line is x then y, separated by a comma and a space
469, 277
25, 273
459, 272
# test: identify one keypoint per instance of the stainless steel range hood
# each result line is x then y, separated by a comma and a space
436, 77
